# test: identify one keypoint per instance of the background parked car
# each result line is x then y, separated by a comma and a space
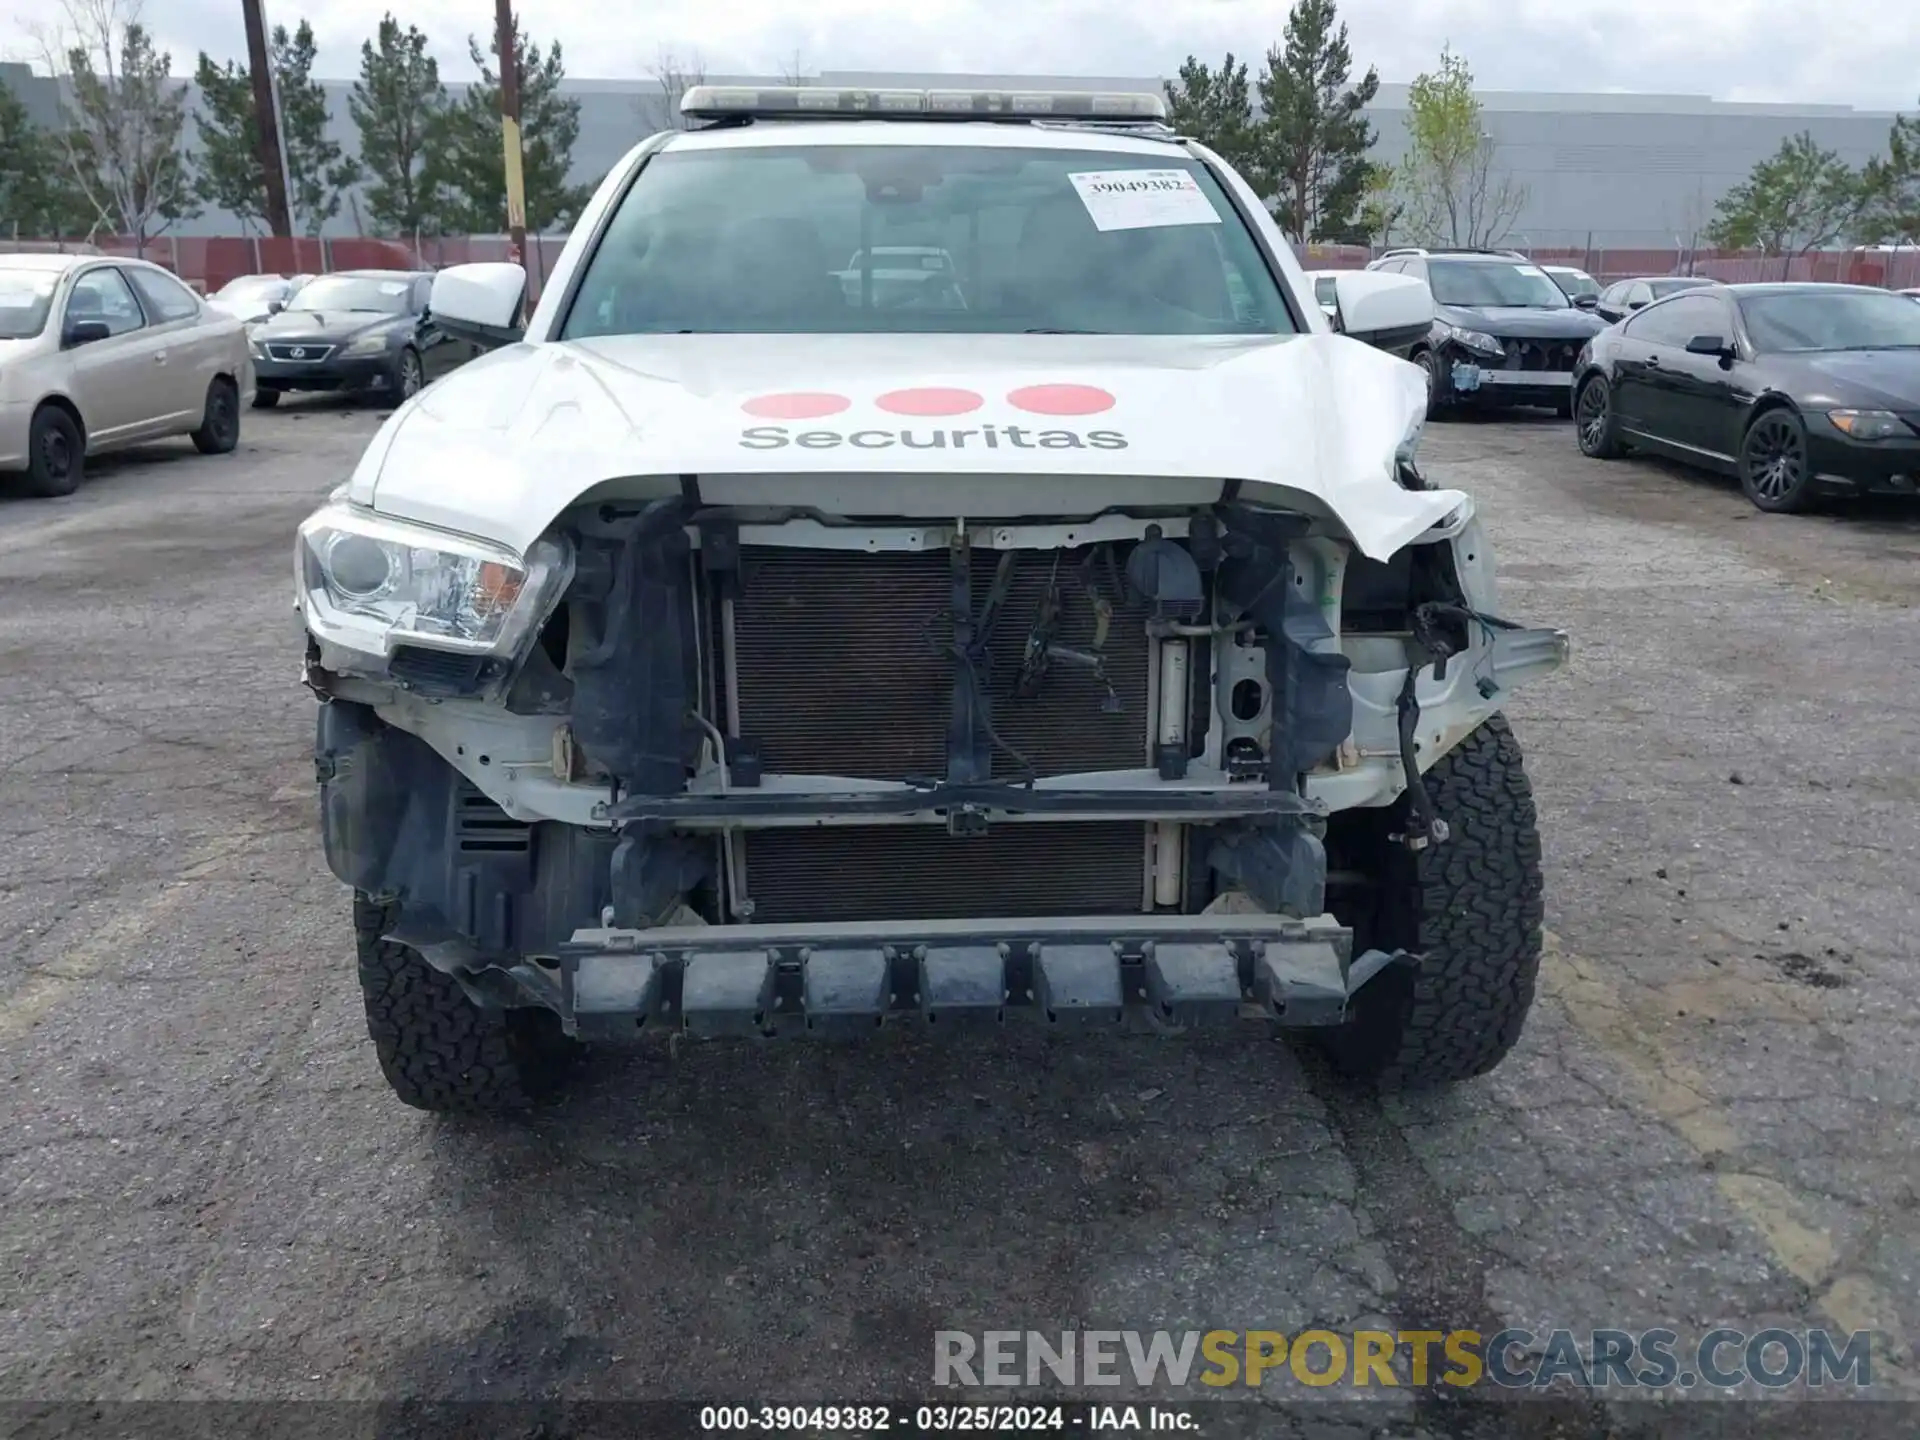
102, 353
364, 331
1503, 333
1576, 284
1800, 390
255, 297
1623, 297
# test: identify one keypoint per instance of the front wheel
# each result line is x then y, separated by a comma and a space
56, 453
1775, 470
265, 399
1471, 908
1430, 363
439, 1050
408, 374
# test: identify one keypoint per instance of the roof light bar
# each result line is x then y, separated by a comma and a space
818, 102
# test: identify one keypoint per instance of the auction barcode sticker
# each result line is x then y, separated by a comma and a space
1143, 199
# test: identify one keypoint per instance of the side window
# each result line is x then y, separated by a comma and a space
103, 295
1415, 268
1614, 294
165, 298
1678, 321
1640, 293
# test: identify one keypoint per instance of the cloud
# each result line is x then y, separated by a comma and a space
1757, 50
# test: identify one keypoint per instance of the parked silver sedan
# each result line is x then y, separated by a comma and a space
97, 353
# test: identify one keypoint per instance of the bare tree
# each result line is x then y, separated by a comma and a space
1494, 200
675, 77
1690, 219
1454, 194
123, 117
793, 70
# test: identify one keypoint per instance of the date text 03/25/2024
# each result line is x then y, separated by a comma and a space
946, 1419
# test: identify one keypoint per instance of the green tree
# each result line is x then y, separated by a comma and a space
1215, 107
33, 199
399, 107
1381, 204
471, 159
320, 170
1314, 139
1447, 180
1800, 198
1890, 188
125, 117
227, 173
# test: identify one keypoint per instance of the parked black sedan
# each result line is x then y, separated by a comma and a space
365, 331
1802, 391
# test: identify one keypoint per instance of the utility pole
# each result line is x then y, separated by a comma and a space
510, 128
266, 118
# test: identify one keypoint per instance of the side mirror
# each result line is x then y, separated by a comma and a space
1587, 302
274, 307
1635, 304
84, 332
1714, 345
1383, 309
480, 303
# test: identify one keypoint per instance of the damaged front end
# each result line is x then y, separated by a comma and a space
753, 771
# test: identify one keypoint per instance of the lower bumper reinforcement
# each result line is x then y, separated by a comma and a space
846, 981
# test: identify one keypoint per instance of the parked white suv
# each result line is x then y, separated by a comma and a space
738, 653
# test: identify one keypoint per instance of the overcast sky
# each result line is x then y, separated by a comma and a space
1864, 53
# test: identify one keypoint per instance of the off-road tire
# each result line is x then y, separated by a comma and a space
1471, 907
265, 399
440, 1051
219, 432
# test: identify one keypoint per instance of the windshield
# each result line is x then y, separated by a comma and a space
1025, 240
353, 292
1486, 282
25, 298
1575, 283
1831, 320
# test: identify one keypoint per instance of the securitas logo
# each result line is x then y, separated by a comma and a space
1056, 403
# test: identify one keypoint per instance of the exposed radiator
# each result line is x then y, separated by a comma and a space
839, 675
919, 872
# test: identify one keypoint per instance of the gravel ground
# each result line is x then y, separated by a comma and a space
206, 1191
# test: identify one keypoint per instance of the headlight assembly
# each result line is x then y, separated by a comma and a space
1870, 424
366, 345
368, 584
1475, 340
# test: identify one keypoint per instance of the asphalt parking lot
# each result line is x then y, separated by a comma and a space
206, 1190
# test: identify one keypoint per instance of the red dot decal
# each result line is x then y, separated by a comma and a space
800, 405
1061, 400
931, 401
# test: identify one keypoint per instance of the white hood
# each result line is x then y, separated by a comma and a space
502, 445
